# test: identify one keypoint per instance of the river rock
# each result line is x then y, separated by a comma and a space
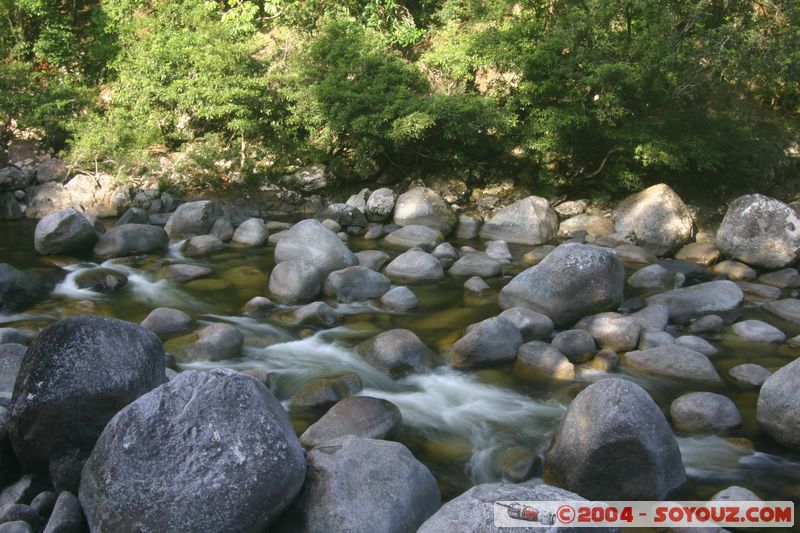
476, 264
474, 510
359, 200
415, 235
723, 298
397, 353
316, 314
423, 206
18, 336
615, 443
734, 270
181, 273
325, 392
372, 259
22, 515
380, 205
98, 194
310, 241
400, 495
10, 208
657, 217
131, 239
415, 265
100, 279
13, 178
735, 494
477, 286
78, 373
499, 251
526, 221
167, 321
539, 360
652, 317
20, 289
574, 280
67, 515
749, 375
222, 229
356, 283
491, 341
698, 344
399, 299
201, 245
294, 282
758, 331
216, 342
786, 278
652, 277
778, 409
134, 215
612, 331
170, 460
673, 361
759, 293
701, 253
362, 416
192, 218
532, 325
576, 344
468, 228
704, 412
251, 232
64, 232
706, 324
343, 214
760, 231
651, 339
788, 309
11, 355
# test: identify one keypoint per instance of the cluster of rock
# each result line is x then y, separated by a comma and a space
157, 454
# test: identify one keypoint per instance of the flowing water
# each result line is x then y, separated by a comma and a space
455, 422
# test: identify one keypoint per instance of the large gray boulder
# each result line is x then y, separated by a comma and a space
207, 451
355, 484
190, 219
362, 416
415, 265
131, 239
251, 232
760, 231
294, 282
356, 283
526, 221
778, 409
657, 217
491, 341
474, 510
397, 353
310, 241
380, 205
704, 412
615, 443
574, 280
167, 321
74, 377
423, 206
673, 361
64, 232
723, 298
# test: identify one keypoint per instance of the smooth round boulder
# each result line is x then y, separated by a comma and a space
415, 265
652, 317
399, 299
476, 264
342, 214
615, 443
201, 245
316, 314
722, 298
415, 235
529, 221
167, 321
222, 229
673, 361
698, 344
467, 228
657, 217
380, 205
786, 278
651, 339
356, 284
424, 207
573, 281
532, 325
735, 494
612, 331
323, 393
778, 408
372, 259
704, 412
652, 277
476, 286
251, 232
216, 342
357, 484
397, 353
760, 231
499, 251
77, 374
539, 360
749, 375
310, 241
758, 331
576, 344
734, 270
489, 342
294, 282
704, 254
190, 219
210, 451
131, 239
788, 309
362, 416
64, 232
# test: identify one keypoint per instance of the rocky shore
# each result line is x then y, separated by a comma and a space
107, 425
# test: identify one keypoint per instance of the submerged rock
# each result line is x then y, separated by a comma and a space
615, 443
206, 451
166, 321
